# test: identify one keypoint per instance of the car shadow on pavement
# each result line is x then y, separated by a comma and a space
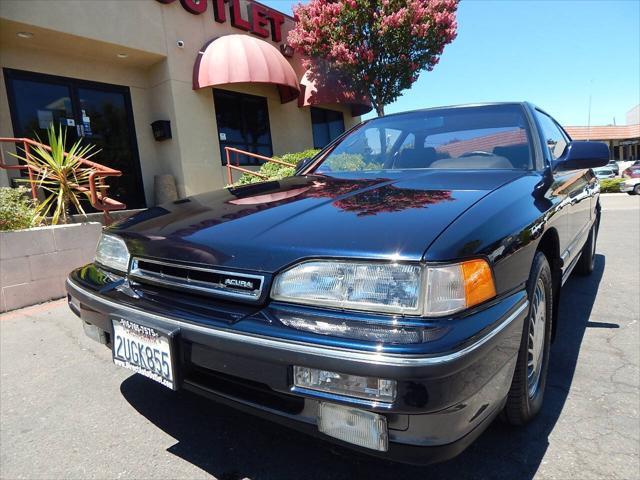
231, 445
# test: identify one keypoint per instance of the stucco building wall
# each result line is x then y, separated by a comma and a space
82, 40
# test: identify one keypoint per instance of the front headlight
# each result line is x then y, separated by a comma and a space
382, 287
112, 253
403, 289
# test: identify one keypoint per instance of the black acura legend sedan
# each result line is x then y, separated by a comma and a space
394, 296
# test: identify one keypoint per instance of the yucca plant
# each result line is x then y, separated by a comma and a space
60, 174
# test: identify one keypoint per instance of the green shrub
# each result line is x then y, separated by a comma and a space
610, 185
275, 171
294, 158
17, 209
350, 162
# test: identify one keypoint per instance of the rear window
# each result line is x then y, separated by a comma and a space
485, 137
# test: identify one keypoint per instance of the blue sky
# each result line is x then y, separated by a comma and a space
552, 53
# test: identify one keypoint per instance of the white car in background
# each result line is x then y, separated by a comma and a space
631, 186
604, 172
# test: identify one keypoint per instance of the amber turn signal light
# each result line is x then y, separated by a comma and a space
478, 282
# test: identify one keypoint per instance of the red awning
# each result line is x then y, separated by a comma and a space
244, 59
331, 92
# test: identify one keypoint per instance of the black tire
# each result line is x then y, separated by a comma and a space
636, 189
524, 400
587, 260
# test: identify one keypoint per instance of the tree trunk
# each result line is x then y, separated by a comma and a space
380, 110
65, 211
66, 208
383, 140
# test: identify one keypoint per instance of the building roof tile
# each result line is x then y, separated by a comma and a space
606, 132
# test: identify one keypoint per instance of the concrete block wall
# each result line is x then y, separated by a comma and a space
34, 263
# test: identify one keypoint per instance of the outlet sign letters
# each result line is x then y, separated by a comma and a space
259, 20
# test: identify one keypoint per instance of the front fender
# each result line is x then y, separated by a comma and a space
504, 227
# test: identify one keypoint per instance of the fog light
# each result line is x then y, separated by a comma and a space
369, 388
355, 426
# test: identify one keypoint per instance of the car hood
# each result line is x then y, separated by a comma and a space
267, 226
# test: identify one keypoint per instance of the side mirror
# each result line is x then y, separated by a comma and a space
580, 155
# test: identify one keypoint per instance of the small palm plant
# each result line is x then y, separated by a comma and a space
60, 174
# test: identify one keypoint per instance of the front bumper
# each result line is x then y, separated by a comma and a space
444, 401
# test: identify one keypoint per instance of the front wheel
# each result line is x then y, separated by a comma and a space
636, 189
525, 396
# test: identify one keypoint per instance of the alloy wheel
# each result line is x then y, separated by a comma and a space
537, 330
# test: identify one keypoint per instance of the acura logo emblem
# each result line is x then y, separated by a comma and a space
234, 282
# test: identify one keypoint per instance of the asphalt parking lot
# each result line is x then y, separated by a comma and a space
67, 412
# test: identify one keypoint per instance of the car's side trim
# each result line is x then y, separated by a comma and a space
305, 348
581, 240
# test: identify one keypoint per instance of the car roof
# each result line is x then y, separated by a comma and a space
462, 105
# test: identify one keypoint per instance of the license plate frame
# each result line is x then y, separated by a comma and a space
158, 340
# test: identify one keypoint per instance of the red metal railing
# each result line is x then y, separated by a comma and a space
96, 187
231, 166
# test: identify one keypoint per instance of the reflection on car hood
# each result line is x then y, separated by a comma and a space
267, 226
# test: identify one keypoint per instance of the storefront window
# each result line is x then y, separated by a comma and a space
243, 123
327, 126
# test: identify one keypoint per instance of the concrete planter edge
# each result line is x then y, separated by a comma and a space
35, 262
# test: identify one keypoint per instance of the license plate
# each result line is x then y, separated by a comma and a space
144, 350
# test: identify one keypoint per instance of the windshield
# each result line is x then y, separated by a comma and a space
483, 137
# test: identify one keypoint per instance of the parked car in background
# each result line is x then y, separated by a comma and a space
624, 164
631, 186
613, 165
604, 172
632, 172
394, 296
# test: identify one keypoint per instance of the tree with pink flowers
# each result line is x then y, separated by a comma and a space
373, 47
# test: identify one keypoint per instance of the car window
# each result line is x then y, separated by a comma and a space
483, 137
554, 138
380, 141
409, 142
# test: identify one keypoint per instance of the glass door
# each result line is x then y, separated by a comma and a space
104, 121
98, 113
243, 123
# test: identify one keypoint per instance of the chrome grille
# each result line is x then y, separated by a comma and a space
199, 279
